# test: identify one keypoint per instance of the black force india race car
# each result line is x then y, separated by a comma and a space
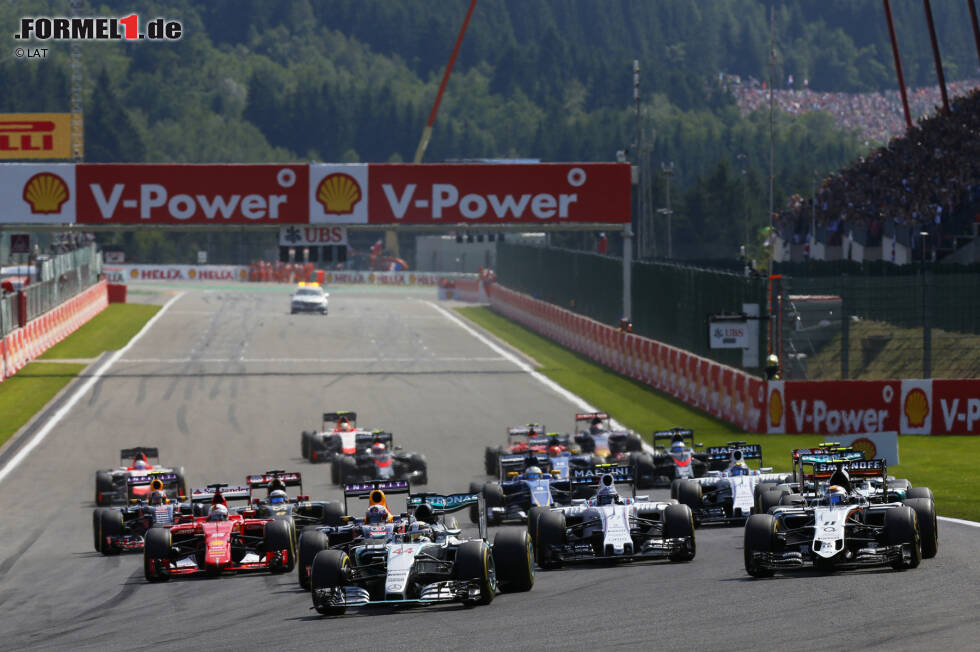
830, 526
612, 527
138, 467
218, 541
416, 557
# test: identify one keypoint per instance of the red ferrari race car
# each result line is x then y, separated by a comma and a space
218, 541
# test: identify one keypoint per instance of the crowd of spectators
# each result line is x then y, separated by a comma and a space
925, 181
878, 117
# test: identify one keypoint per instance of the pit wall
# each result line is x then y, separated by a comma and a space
38, 335
910, 406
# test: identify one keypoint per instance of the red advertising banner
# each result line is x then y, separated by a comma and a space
174, 195
835, 407
955, 407
532, 194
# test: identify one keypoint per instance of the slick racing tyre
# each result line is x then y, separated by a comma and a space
679, 524
156, 554
769, 498
689, 493
901, 529
514, 560
111, 525
474, 563
533, 516
919, 492
333, 514
644, 471
346, 470
551, 532
493, 496
103, 484
475, 488
759, 534
925, 513
97, 527
634, 443
329, 571
304, 444
490, 460
279, 538
311, 542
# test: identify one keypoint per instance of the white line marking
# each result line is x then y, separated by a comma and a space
306, 360
81, 391
958, 521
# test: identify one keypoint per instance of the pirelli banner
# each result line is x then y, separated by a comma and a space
136, 195
35, 136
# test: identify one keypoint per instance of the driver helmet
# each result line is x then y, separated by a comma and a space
377, 514
277, 497
554, 451
218, 513
141, 464
378, 449
157, 498
606, 494
532, 472
836, 495
677, 447
739, 468
344, 426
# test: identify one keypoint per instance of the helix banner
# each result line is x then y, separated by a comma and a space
38, 335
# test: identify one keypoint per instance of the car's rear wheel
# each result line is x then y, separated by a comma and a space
533, 516
330, 570
513, 557
97, 527
644, 470
679, 524
759, 533
493, 496
347, 470
279, 539
689, 493
103, 485
305, 444
333, 513
919, 492
111, 523
156, 554
311, 542
490, 457
474, 563
475, 488
901, 529
925, 513
769, 498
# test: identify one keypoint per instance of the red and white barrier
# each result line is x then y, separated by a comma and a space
38, 335
727, 393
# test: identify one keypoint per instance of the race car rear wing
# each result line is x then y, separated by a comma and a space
365, 489
519, 462
126, 455
167, 478
229, 492
334, 417
590, 417
735, 451
824, 471
524, 431
442, 505
264, 480
675, 434
590, 477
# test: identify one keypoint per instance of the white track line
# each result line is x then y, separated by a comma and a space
302, 360
576, 400
79, 393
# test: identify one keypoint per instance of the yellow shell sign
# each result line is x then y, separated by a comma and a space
776, 408
338, 193
916, 408
45, 193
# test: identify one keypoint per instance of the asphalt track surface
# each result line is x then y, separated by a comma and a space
225, 381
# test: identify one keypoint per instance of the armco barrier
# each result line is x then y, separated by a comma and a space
38, 335
724, 392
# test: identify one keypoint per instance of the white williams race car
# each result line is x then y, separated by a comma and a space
308, 297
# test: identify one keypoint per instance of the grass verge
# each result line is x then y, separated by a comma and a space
26, 392
29, 390
107, 331
945, 464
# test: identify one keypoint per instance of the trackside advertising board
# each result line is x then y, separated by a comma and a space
174, 273
177, 195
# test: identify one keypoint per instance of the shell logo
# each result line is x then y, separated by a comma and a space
338, 193
192, 273
776, 408
133, 274
866, 446
371, 277
329, 277
46, 193
242, 274
916, 408
411, 279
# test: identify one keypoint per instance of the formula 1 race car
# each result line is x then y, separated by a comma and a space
610, 527
832, 527
308, 297
337, 436
138, 467
526, 482
601, 441
218, 541
299, 510
726, 496
122, 529
675, 456
521, 439
412, 557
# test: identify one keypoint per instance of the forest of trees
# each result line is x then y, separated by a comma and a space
353, 80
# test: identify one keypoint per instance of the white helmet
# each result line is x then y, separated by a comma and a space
218, 513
